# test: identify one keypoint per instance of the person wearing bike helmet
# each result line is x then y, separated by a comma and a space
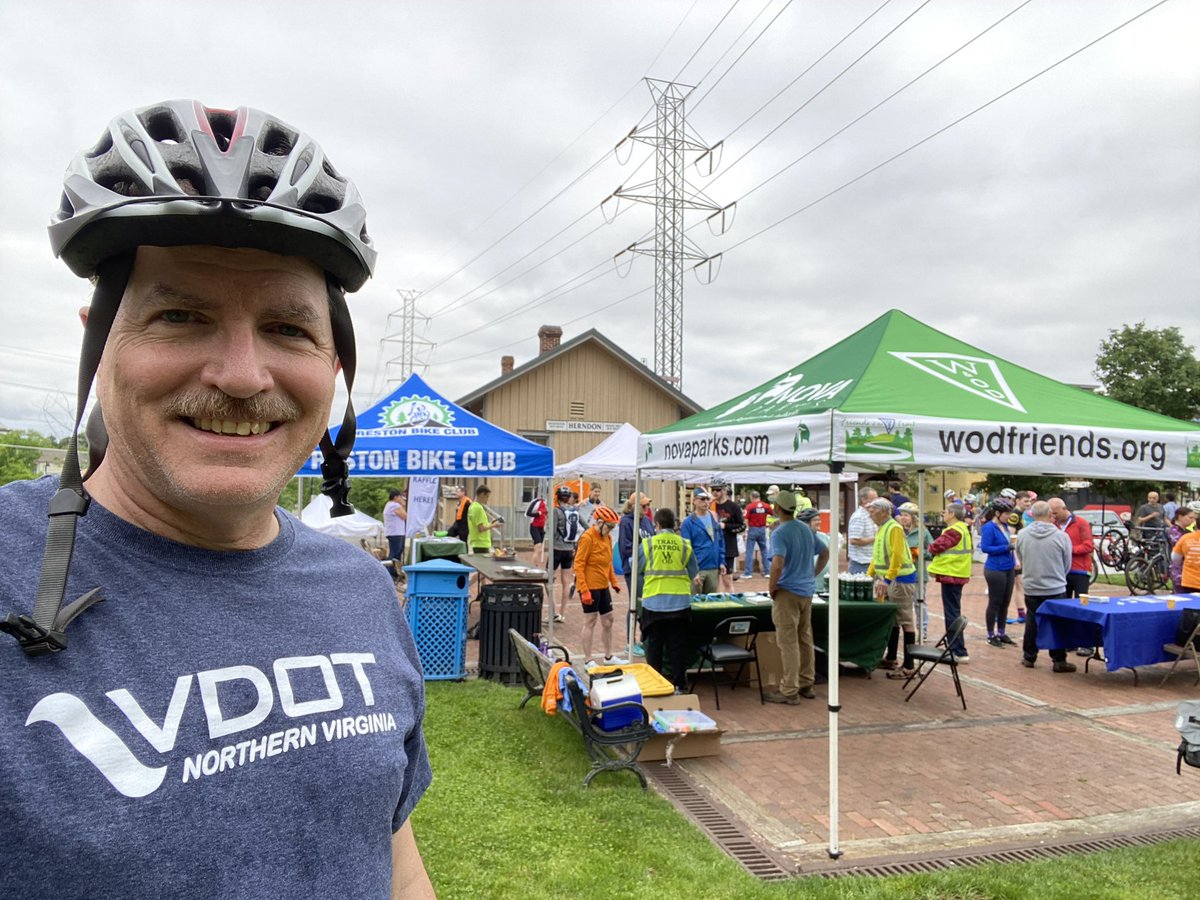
566, 533
595, 580
241, 714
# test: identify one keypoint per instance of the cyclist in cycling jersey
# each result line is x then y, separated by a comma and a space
241, 715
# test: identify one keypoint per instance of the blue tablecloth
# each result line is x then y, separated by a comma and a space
1131, 629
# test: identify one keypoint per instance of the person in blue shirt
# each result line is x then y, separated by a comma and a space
999, 570
702, 529
791, 585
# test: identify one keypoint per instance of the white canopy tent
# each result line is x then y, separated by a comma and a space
353, 528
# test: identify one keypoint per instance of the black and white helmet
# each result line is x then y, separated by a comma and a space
179, 173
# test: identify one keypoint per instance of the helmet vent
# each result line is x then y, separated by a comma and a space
319, 203
221, 122
126, 187
261, 187
329, 170
163, 127
102, 146
189, 179
277, 141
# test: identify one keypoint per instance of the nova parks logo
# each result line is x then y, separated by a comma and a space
976, 375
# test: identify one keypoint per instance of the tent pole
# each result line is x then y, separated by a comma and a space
548, 551
834, 652
922, 600
636, 511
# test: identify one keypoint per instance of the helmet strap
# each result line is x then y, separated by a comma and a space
334, 469
45, 631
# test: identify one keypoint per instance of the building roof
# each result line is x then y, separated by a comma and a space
689, 406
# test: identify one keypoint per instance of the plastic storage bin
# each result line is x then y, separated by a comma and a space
437, 616
501, 607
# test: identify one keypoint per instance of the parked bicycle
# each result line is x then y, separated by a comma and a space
1147, 567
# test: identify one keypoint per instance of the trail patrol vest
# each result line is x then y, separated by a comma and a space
667, 556
955, 562
881, 561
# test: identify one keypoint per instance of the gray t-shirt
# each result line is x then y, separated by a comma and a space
224, 724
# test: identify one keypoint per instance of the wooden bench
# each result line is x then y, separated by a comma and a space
609, 751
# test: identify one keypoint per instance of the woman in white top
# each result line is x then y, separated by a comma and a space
395, 526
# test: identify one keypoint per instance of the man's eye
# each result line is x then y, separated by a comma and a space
176, 316
289, 330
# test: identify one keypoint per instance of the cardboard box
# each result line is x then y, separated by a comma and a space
770, 665
687, 746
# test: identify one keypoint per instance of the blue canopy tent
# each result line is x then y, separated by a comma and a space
416, 431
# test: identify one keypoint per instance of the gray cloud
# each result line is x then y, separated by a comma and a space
1063, 210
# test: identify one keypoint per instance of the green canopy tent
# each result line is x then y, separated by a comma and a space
898, 394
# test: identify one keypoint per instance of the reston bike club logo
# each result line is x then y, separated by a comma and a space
417, 415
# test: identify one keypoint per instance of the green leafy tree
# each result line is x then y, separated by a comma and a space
1150, 368
17, 461
1040, 485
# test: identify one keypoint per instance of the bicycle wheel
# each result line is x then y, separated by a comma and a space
1139, 575
1113, 549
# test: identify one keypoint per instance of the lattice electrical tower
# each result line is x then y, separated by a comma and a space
672, 139
404, 320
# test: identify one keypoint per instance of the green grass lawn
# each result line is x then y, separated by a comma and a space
507, 816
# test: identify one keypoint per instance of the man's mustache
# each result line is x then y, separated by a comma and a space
208, 405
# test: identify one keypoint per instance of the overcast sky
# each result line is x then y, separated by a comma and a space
1067, 208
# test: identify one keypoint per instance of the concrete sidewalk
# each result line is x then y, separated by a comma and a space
1036, 755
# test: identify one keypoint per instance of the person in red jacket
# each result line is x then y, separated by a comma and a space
1079, 576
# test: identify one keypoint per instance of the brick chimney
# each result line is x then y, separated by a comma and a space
506, 365
549, 337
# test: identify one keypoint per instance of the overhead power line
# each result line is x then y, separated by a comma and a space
823, 88
885, 100
929, 137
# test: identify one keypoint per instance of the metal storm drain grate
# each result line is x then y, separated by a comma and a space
944, 861
728, 834
723, 828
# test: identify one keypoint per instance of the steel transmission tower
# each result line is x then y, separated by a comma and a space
401, 330
671, 196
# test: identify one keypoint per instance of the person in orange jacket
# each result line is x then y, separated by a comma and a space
594, 576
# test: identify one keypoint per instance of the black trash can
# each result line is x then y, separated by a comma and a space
501, 607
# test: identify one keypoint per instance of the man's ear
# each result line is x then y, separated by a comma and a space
83, 315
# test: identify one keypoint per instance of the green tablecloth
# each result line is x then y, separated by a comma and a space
864, 627
439, 548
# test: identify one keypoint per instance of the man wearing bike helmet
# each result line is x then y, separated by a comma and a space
594, 579
241, 715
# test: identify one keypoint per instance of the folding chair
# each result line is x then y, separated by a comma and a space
1187, 648
936, 655
721, 651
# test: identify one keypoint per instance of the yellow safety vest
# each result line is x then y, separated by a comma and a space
955, 562
881, 561
667, 556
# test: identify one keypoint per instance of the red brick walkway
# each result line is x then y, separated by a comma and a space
1036, 755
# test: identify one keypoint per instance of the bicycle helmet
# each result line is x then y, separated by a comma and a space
1003, 505
179, 173
910, 508
950, 493
970, 498
807, 514
605, 514
1008, 494
1194, 506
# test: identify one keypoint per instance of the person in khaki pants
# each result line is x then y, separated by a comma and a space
791, 585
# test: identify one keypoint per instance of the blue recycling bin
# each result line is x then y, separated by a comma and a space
437, 616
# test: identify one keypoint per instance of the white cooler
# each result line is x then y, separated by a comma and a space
610, 690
